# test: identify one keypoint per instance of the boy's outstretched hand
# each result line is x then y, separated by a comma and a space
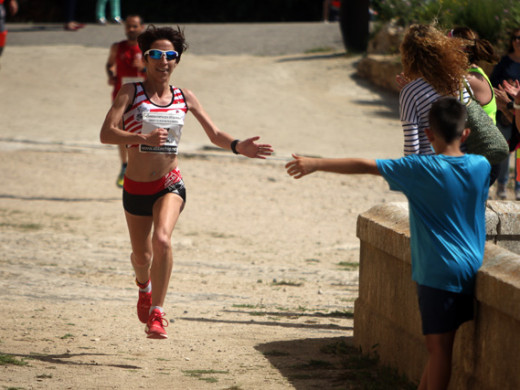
300, 166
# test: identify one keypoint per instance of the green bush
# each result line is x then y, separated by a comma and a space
491, 19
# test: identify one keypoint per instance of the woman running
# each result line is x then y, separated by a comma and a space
154, 194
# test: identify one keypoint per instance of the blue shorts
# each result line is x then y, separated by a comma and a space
443, 311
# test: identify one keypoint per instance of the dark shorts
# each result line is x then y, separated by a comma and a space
139, 197
443, 311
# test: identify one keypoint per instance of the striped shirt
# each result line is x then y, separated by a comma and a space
415, 101
143, 116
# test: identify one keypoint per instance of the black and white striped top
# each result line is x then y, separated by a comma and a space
415, 101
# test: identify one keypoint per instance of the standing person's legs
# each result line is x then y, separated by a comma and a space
115, 10
70, 13
437, 373
442, 312
517, 171
503, 173
3, 30
100, 11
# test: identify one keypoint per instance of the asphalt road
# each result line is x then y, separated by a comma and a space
263, 39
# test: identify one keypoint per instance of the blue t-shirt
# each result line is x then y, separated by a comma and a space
447, 201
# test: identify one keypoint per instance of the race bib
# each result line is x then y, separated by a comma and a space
171, 121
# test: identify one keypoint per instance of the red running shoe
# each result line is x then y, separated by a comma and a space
143, 306
155, 325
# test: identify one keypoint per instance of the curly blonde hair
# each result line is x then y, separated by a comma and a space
440, 60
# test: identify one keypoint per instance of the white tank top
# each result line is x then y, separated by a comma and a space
144, 116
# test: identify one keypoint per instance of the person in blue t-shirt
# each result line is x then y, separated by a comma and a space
447, 195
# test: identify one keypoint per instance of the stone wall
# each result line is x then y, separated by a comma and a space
387, 320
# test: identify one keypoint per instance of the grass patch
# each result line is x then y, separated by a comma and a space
25, 227
364, 370
321, 49
67, 336
6, 359
286, 283
201, 374
248, 306
348, 266
257, 313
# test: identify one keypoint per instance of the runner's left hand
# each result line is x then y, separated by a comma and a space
251, 149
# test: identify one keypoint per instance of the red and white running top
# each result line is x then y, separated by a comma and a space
144, 116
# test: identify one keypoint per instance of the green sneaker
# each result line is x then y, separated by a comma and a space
121, 178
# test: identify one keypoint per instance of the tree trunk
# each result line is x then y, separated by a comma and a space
354, 20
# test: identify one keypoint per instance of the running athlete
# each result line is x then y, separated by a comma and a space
125, 65
154, 195
13, 9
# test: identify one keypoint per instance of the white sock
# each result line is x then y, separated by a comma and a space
158, 308
147, 289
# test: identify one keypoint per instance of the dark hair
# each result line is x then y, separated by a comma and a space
448, 118
476, 48
510, 48
135, 16
152, 34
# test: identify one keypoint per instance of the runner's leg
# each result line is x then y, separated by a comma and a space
139, 228
166, 211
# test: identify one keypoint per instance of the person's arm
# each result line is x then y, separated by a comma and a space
517, 110
409, 120
111, 64
401, 80
247, 147
504, 103
480, 87
302, 166
111, 133
512, 89
497, 74
13, 7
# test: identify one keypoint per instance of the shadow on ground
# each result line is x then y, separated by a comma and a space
330, 363
388, 99
63, 358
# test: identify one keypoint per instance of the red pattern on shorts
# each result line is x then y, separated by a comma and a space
152, 187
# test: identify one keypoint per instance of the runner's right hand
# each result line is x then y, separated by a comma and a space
157, 137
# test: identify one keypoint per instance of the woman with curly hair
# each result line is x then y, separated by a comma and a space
434, 65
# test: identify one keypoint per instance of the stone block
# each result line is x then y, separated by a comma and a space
387, 320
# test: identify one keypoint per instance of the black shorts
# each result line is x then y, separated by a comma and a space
443, 311
139, 197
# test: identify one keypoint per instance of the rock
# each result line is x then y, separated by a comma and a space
381, 70
387, 40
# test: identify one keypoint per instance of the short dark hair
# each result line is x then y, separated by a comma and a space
152, 34
135, 16
447, 118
